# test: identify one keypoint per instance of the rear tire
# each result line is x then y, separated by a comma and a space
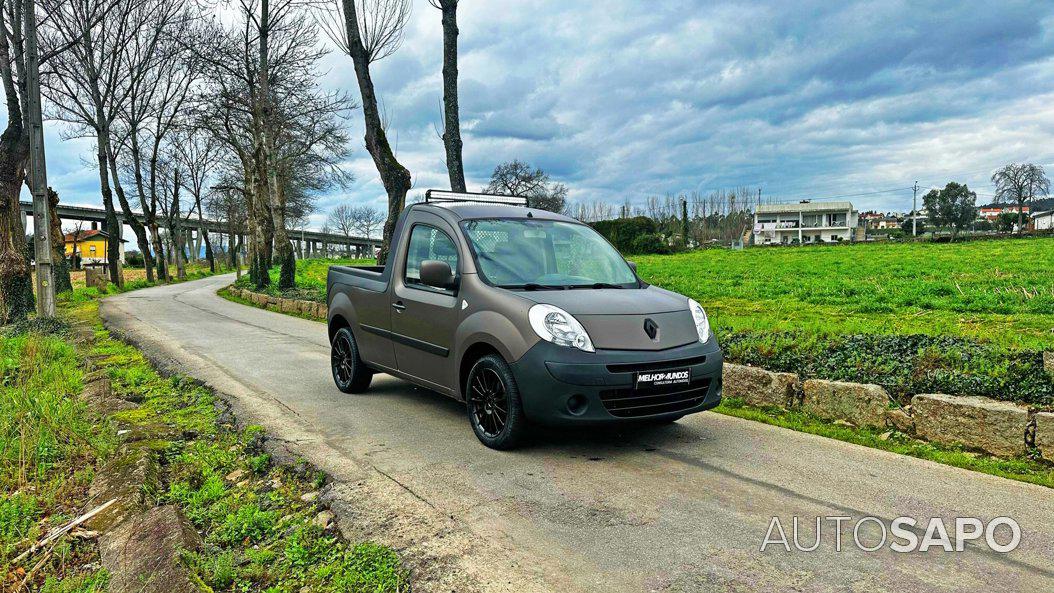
349, 372
493, 403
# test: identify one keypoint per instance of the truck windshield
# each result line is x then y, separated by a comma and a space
545, 255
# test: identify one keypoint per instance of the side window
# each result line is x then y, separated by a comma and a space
427, 242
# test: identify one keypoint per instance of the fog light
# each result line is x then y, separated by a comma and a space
577, 404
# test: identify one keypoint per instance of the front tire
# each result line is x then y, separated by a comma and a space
349, 372
493, 403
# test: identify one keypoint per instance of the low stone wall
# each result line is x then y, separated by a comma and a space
861, 404
1045, 434
759, 387
140, 545
976, 423
282, 305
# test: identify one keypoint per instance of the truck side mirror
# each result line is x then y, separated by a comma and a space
437, 274
632, 266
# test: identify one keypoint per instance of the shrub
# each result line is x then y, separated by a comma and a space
904, 365
638, 234
134, 259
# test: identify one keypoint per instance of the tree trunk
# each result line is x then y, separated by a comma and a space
16, 282
60, 269
283, 247
452, 121
210, 257
137, 228
394, 176
113, 254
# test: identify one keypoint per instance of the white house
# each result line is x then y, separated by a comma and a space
1043, 221
804, 222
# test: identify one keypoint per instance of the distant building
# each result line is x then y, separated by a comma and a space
887, 222
1043, 221
993, 210
804, 222
91, 246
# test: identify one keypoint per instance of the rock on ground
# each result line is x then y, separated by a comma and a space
759, 387
862, 404
142, 555
974, 422
128, 477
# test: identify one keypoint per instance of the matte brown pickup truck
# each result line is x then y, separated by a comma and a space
526, 316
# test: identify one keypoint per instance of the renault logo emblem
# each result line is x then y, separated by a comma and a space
651, 329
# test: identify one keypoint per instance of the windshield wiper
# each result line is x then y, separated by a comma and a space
534, 286
597, 285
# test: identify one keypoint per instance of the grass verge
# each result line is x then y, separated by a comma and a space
310, 279
261, 522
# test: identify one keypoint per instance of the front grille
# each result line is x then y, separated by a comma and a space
635, 367
631, 403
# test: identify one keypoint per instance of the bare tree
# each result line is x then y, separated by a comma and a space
517, 178
226, 203
196, 154
1020, 184
341, 218
451, 119
283, 137
372, 30
367, 220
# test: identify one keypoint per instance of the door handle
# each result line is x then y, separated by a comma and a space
398, 306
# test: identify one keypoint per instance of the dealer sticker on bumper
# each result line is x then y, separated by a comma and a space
648, 379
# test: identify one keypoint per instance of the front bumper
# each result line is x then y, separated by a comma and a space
561, 385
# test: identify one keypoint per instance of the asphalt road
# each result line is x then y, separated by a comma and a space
683, 507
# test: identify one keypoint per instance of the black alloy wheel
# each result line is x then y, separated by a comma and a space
494, 408
489, 401
349, 372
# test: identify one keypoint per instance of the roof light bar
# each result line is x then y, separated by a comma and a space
437, 196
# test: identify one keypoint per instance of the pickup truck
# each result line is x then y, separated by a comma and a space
526, 316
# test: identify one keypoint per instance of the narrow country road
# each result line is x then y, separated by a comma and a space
683, 507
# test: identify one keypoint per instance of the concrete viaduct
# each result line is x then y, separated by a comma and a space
307, 243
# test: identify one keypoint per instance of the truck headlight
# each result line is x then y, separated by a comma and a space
555, 325
702, 324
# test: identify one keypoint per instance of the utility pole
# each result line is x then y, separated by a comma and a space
37, 168
915, 210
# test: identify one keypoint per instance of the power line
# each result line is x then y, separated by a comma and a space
856, 195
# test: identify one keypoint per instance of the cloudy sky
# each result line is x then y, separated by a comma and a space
622, 100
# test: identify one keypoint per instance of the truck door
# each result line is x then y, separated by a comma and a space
425, 318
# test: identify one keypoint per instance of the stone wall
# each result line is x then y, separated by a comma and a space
858, 403
759, 387
975, 423
282, 305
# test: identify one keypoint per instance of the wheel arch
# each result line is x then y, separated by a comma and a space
336, 323
471, 355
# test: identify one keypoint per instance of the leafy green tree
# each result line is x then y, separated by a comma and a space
953, 207
1006, 221
906, 226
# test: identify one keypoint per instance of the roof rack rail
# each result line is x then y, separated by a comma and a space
438, 196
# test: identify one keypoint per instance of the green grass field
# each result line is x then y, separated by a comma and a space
995, 291
964, 318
